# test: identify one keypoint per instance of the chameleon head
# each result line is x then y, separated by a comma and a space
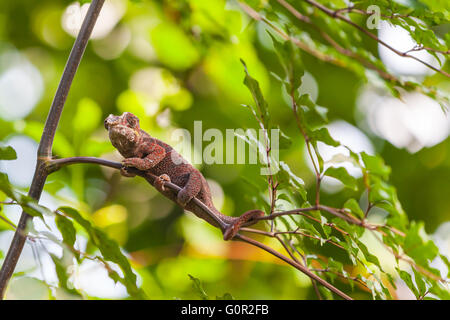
124, 132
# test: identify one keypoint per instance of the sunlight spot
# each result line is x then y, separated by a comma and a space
414, 123
217, 193
92, 278
111, 13
21, 86
113, 45
442, 240
140, 46
26, 261
155, 82
399, 38
21, 170
35, 289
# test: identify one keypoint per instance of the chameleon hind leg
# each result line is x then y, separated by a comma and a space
190, 189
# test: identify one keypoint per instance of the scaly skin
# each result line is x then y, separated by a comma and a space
146, 153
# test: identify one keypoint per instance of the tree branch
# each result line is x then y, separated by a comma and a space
46, 142
54, 165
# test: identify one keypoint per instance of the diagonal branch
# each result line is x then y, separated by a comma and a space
46, 142
54, 165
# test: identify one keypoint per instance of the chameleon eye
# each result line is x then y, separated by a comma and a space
133, 121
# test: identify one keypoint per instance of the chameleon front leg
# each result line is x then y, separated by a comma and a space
142, 164
124, 172
155, 154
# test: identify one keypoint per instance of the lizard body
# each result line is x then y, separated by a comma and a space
149, 154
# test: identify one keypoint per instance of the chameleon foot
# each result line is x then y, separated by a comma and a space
233, 229
124, 171
183, 197
159, 182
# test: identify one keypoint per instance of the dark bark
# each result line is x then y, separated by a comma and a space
46, 142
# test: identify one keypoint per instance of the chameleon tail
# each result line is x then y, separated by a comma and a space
234, 227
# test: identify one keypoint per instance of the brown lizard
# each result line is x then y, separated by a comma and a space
151, 155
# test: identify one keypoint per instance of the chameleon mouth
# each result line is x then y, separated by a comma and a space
110, 121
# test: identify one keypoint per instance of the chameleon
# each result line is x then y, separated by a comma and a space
156, 158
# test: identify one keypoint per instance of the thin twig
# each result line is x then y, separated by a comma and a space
337, 15
6, 220
296, 265
302, 45
385, 75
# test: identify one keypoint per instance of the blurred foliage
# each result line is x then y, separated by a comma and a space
175, 62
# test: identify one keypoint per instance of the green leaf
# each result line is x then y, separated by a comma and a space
199, 287
375, 165
290, 59
354, 207
316, 117
311, 115
380, 191
65, 226
31, 207
226, 296
335, 266
439, 290
324, 136
285, 141
258, 97
74, 214
305, 100
420, 283
28, 204
342, 175
446, 262
409, 282
7, 153
5, 186
418, 246
109, 249
367, 255
61, 273
286, 176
